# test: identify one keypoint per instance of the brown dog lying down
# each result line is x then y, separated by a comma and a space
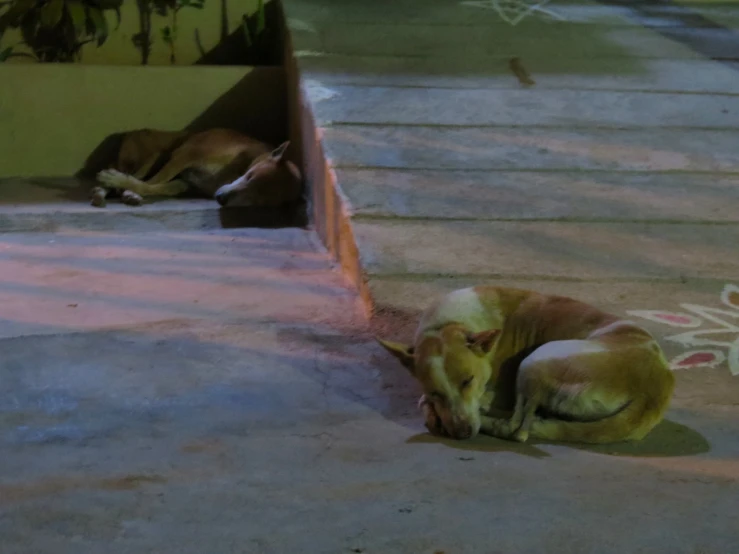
223, 164
585, 376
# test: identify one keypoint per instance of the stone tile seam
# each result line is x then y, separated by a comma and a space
401, 219
539, 87
558, 127
300, 54
553, 170
426, 276
636, 172
488, 23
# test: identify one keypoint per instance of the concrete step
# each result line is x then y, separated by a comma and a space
686, 76
73, 281
175, 215
48, 205
500, 148
509, 195
532, 38
445, 12
514, 249
381, 105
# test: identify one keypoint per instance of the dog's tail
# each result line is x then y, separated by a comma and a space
632, 422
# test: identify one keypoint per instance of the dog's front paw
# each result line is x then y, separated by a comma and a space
112, 178
97, 197
130, 198
520, 435
486, 401
431, 418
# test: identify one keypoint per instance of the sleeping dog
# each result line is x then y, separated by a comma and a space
584, 375
233, 168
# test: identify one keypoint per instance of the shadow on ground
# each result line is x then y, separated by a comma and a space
668, 439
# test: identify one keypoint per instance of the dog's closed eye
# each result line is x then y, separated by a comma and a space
466, 383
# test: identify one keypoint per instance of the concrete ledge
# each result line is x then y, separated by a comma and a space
531, 148
615, 74
431, 106
494, 40
509, 195
328, 208
174, 215
515, 249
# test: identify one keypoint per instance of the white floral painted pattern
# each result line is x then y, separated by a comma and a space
721, 340
514, 11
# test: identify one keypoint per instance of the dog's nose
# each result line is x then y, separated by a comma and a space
463, 431
222, 198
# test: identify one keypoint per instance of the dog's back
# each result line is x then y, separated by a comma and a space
140, 145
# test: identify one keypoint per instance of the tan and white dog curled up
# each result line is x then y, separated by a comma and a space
516, 364
224, 164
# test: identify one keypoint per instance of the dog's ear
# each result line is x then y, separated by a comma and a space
482, 343
403, 353
279, 152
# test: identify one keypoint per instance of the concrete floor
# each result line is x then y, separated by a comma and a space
219, 391
167, 387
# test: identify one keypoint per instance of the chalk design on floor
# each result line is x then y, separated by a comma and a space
514, 11
722, 339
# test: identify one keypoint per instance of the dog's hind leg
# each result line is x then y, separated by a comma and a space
143, 171
112, 178
163, 183
181, 159
524, 416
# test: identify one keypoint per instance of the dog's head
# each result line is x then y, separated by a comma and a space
453, 367
270, 181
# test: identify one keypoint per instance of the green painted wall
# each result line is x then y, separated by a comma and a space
52, 116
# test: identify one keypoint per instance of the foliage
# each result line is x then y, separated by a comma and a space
169, 32
164, 8
257, 39
56, 30
254, 26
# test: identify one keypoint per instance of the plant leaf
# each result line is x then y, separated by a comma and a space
167, 34
114, 5
51, 13
20, 8
78, 16
109, 4
5, 54
247, 34
98, 24
16, 12
260, 17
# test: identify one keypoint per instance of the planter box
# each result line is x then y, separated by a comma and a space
61, 123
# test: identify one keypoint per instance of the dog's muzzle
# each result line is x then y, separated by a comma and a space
462, 432
223, 197
461, 429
